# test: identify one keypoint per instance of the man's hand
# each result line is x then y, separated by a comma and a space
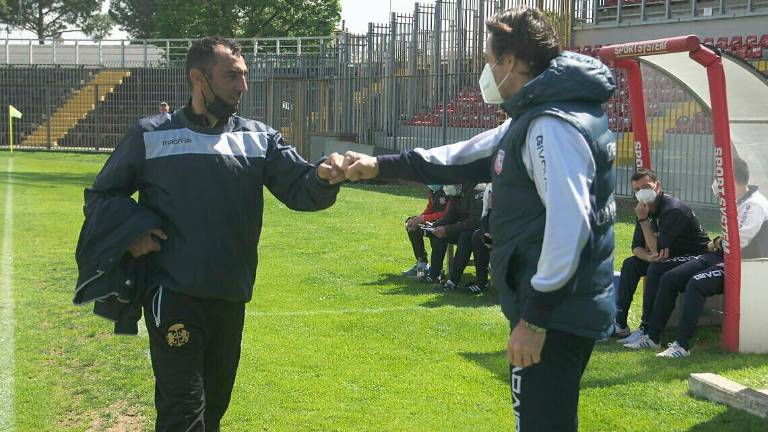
358, 166
441, 232
659, 257
413, 222
524, 346
331, 170
488, 240
147, 243
642, 210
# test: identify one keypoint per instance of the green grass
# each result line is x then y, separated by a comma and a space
335, 339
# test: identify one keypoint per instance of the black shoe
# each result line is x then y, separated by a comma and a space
475, 288
428, 278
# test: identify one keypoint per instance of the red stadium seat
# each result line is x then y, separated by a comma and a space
722, 43
736, 43
709, 41
764, 41
587, 50
751, 41
754, 53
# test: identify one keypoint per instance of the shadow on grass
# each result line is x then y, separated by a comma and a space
494, 362
48, 179
732, 420
457, 298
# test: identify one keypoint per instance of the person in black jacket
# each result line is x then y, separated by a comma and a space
481, 245
667, 234
200, 173
456, 227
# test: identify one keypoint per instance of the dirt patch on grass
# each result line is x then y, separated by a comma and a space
120, 418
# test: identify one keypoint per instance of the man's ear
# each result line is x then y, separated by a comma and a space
196, 76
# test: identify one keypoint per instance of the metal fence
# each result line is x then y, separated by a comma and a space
411, 82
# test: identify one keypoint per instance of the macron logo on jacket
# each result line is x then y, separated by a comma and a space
174, 142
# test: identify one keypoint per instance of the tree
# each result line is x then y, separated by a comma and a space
241, 18
51, 18
137, 17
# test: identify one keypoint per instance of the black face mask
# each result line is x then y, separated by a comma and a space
218, 107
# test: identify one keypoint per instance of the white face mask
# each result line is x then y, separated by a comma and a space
645, 196
452, 190
488, 86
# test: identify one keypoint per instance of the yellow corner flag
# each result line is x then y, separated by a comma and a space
12, 114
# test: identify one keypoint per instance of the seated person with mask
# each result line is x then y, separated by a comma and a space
437, 205
667, 234
456, 227
704, 276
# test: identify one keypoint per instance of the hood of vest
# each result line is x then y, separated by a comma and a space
569, 77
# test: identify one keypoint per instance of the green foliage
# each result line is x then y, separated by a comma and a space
51, 18
137, 17
229, 18
335, 339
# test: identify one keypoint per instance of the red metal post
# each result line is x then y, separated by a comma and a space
641, 147
726, 194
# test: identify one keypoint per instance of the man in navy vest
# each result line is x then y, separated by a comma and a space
552, 169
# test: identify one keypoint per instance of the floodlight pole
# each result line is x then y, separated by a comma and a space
625, 56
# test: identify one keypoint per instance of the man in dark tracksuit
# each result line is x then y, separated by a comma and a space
667, 234
481, 245
553, 208
437, 205
704, 276
455, 227
202, 171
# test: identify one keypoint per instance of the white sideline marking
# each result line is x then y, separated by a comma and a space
351, 311
6, 312
338, 311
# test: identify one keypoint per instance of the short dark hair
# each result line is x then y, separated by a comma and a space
525, 33
740, 170
201, 53
644, 172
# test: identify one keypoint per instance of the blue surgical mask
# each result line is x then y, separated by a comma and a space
435, 187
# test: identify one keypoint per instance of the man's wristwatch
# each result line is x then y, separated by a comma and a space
534, 328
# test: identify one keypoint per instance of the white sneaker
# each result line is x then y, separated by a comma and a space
674, 350
632, 338
643, 343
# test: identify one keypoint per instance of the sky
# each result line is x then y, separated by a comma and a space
355, 13
358, 13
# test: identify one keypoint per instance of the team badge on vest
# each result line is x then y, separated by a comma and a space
177, 336
499, 163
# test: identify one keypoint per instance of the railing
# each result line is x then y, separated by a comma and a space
588, 13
